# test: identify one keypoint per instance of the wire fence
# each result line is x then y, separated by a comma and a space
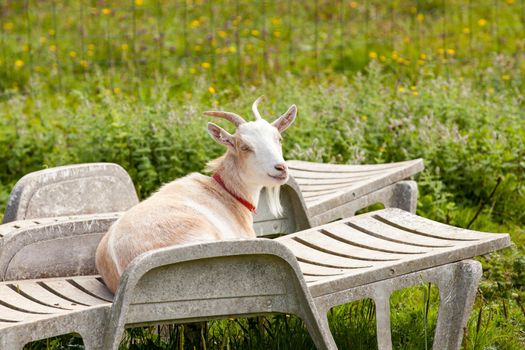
124, 43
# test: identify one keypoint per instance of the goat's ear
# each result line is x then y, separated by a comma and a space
220, 135
284, 121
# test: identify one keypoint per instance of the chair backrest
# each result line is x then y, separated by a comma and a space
71, 190
209, 280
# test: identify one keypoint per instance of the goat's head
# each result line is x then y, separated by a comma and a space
257, 146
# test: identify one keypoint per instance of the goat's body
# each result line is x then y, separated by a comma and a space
189, 210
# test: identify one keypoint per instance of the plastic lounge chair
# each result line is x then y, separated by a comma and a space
336, 191
174, 284
305, 273
330, 191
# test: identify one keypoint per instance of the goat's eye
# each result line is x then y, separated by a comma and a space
245, 148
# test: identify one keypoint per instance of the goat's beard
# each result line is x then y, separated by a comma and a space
273, 200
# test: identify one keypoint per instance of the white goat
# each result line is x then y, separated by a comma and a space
199, 208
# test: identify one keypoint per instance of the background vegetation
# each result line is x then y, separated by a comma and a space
126, 82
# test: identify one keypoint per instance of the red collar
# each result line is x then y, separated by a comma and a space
243, 201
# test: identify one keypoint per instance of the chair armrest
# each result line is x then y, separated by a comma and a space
52, 247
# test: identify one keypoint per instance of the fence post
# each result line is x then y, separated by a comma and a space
55, 42
237, 22
29, 47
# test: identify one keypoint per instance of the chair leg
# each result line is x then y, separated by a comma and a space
456, 299
384, 334
93, 340
405, 196
319, 330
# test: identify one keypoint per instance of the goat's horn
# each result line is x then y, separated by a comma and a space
234, 118
254, 108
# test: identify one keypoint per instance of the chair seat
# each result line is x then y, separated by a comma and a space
325, 186
29, 301
379, 245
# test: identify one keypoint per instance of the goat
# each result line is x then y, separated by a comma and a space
198, 208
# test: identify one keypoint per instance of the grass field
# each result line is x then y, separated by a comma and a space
126, 82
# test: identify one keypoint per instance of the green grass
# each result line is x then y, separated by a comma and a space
376, 82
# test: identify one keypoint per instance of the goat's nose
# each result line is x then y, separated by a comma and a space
280, 167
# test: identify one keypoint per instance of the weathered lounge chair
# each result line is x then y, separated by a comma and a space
330, 191
305, 273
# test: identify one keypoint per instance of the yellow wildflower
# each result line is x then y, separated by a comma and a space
116, 90
423, 56
441, 51
372, 55
193, 70
420, 17
84, 63
211, 90
354, 4
413, 88
451, 52
90, 53
364, 118
505, 77
382, 58
277, 34
255, 32
401, 60
420, 62
205, 65
415, 93
43, 40
222, 34
197, 47
8, 26
195, 23
401, 89
106, 11
52, 47
276, 21
491, 90
482, 22
51, 32
232, 49
510, 2
139, 2
72, 54
466, 30
25, 48
124, 47
19, 64
91, 47
395, 56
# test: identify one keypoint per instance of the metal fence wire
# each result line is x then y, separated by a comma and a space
122, 43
